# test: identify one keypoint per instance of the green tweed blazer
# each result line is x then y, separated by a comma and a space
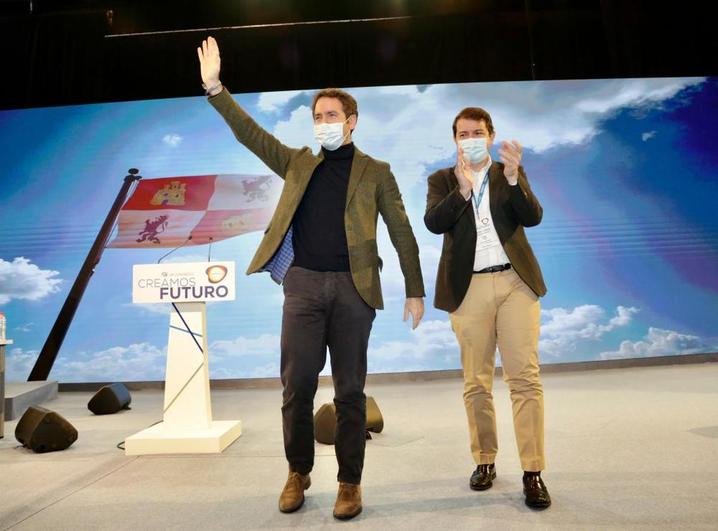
372, 191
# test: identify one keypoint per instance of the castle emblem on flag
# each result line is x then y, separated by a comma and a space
233, 223
170, 195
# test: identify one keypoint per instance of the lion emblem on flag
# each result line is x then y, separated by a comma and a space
153, 229
257, 188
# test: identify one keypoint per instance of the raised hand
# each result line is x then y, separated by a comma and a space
510, 154
209, 62
464, 175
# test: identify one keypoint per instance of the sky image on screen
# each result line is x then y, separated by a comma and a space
625, 169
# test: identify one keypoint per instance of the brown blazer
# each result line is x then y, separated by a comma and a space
448, 213
372, 191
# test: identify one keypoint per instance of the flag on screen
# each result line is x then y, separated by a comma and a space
165, 212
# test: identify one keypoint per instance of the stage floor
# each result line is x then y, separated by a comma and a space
626, 449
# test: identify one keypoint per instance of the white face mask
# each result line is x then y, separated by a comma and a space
330, 136
475, 149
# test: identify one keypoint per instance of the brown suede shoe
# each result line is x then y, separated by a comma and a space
292, 496
348, 501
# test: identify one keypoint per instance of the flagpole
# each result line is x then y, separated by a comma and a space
46, 359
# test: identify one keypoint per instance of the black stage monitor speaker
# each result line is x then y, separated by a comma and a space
325, 421
43, 430
325, 424
374, 420
110, 399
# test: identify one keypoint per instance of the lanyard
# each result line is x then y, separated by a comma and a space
477, 202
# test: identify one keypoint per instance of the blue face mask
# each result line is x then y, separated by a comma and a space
475, 149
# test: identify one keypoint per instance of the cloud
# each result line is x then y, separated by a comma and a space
158, 309
245, 357
134, 362
27, 327
562, 329
274, 101
659, 342
648, 135
622, 318
264, 345
242, 357
429, 256
617, 93
137, 361
432, 346
18, 363
21, 279
583, 321
172, 140
394, 121
297, 131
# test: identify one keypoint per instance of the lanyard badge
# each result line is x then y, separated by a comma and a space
477, 202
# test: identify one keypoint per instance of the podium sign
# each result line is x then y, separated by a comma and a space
187, 425
190, 282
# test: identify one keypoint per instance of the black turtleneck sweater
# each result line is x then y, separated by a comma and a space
319, 238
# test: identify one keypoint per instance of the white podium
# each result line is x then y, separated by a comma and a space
187, 426
3, 343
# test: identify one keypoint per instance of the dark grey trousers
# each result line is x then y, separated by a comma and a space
324, 309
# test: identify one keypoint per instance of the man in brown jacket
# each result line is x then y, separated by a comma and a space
490, 282
321, 244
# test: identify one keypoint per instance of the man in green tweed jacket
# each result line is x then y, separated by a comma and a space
321, 244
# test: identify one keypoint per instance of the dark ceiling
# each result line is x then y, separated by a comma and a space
68, 52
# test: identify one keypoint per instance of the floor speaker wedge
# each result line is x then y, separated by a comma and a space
325, 421
110, 399
43, 430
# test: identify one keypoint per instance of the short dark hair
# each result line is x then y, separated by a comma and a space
477, 114
349, 104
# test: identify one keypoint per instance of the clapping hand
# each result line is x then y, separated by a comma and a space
510, 154
464, 175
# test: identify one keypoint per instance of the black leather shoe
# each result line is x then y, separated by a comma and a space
536, 493
483, 477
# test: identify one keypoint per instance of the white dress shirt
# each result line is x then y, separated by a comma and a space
489, 251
